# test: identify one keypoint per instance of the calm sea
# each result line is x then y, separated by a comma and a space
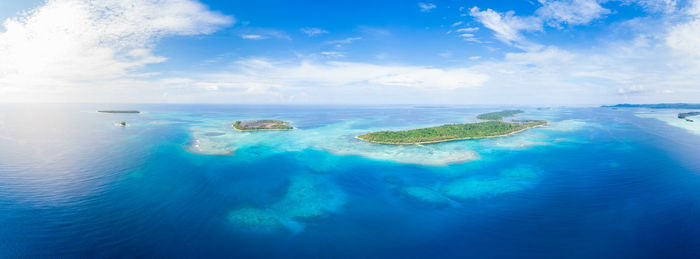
178, 181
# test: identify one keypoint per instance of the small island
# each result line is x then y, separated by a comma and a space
497, 116
686, 115
120, 111
656, 106
450, 132
262, 125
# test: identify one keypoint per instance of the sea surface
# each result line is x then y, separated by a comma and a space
179, 181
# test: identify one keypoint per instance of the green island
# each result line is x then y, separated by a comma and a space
120, 111
497, 116
686, 115
262, 125
656, 106
450, 132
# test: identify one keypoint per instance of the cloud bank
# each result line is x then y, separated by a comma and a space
75, 50
66, 45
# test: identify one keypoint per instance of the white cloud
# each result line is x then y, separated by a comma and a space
253, 37
507, 26
332, 54
574, 12
456, 24
426, 7
684, 37
468, 29
640, 70
67, 45
446, 54
96, 50
632, 90
665, 6
275, 74
263, 34
344, 41
313, 31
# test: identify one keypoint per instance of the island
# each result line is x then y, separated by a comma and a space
686, 115
656, 106
120, 111
450, 132
497, 116
262, 125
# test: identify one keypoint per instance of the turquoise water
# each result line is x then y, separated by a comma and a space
178, 181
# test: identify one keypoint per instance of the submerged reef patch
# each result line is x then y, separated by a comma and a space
256, 219
423, 196
307, 198
206, 142
509, 180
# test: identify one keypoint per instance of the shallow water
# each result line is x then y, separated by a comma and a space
180, 181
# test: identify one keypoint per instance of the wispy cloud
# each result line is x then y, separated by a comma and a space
264, 73
574, 12
663, 6
507, 27
312, 31
263, 33
332, 54
253, 37
344, 41
469, 29
426, 7
632, 90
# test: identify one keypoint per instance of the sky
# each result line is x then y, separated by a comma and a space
530, 52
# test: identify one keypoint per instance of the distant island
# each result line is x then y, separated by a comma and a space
262, 125
686, 115
497, 116
118, 111
657, 106
450, 132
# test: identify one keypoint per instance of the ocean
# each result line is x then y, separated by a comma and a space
179, 181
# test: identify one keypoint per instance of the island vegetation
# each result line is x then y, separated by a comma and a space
497, 116
120, 111
686, 115
657, 106
262, 125
450, 132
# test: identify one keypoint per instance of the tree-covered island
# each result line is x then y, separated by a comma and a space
262, 125
450, 132
497, 116
686, 115
656, 106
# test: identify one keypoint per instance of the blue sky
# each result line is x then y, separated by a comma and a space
571, 52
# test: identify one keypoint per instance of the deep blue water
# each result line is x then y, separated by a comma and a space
74, 185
